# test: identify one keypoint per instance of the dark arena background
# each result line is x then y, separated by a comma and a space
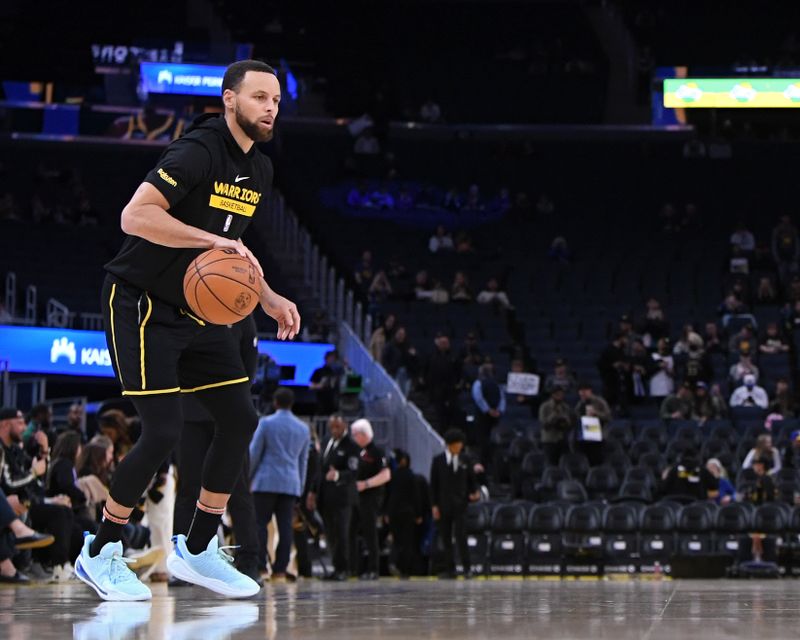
562, 233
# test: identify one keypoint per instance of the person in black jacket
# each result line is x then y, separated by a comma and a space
453, 487
306, 507
403, 512
338, 493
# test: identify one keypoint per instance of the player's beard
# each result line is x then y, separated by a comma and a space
251, 129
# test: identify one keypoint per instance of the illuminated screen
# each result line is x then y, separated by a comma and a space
732, 93
73, 352
183, 79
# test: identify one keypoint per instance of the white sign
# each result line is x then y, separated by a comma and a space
523, 384
591, 431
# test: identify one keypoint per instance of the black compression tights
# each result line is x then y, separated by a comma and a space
162, 420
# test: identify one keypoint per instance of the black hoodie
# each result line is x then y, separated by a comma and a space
211, 184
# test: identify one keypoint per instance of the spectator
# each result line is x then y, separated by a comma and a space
325, 381
696, 365
749, 394
338, 494
278, 463
364, 271
490, 400
642, 367
400, 360
654, 326
381, 336
760, 492
560, 377
678, 406
39, 419
727, 493
470, 358
380, 289
626, 329
791, 456
785, 248
559, 250
442, 374
690, 478
743, 238
441, 241
764, 451
306, 511
774, 342
708, 406
614, 370
492, 294
118, 428
765, 293
373, 474
557, 421
430, 112
743, 341
76, 420
21, 478
784, 402
403, 512
460, 291
16, 536
688, 336
732, 307
743, 368
711, 339
453, 487
464, 243
591, 404
97, 459
518, 400
423, 288
662, 381
62, 479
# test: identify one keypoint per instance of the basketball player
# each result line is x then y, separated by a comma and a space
202, 194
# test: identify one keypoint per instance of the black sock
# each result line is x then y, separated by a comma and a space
107, 532
203, 528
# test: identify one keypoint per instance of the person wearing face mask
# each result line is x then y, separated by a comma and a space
750, 394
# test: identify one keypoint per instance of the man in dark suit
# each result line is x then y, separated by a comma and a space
453, 487
403, 512
338, 493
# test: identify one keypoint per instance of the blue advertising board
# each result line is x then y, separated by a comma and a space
74, 352
182, 79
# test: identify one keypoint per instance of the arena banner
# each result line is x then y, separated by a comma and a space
732, 93
74, 352
182, 79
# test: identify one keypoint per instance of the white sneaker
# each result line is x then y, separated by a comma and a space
108, 574
212, 569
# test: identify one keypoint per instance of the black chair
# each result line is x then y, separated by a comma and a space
677, 449
715, 448
602, 482
641, 474
571, 491
724, 431
618, 461
656, 433
654, 462
634, 490
686, 430
732, 526
641, 448
582, 539
478, 526
576, 463
517, 450
543, 549
507, 551
546, 489
695, 530
500, 440
657, 537
619, 431
620, 526
533, 465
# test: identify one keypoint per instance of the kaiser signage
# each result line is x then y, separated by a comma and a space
183, 79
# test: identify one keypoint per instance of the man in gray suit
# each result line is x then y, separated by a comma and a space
278, 459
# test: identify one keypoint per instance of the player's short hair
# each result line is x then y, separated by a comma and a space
235, 73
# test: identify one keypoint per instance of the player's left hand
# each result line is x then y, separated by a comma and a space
284, 312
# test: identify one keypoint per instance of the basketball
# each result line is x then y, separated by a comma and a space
221, 286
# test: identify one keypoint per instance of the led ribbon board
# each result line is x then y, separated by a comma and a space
74, 352
732, 93
182, 79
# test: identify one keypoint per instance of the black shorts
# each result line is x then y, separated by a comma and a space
156, 348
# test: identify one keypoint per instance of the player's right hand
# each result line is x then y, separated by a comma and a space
238, 246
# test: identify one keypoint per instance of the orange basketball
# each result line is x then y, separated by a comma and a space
221, 286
